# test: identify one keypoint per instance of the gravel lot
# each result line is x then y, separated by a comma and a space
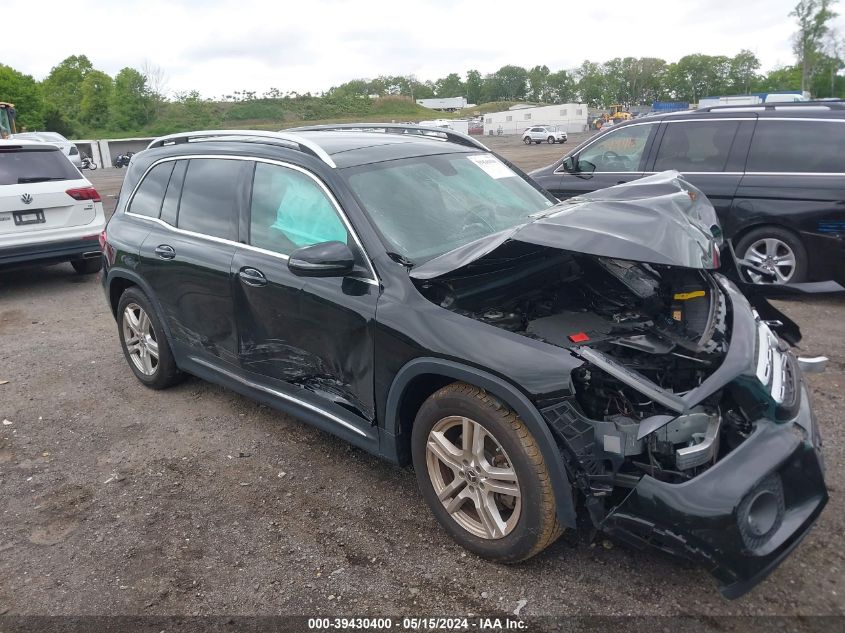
122, 500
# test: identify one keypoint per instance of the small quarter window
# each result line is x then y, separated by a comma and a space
528, 116
508, 118
563, 112
147, 200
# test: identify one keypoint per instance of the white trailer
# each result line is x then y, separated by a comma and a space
569, 117
450, 104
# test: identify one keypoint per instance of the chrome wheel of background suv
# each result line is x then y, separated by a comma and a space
774, 255
140, 339
473, 477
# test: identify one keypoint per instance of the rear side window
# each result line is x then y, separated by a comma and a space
797, 147
696, 146
20, 166
211, 197
148, 198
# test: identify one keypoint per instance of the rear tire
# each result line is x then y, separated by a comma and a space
87, 266
496, 484
144, 343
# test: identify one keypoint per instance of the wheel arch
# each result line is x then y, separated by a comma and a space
746, 229
421, 377
118, 281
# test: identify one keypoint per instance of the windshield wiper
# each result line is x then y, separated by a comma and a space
38, 179
401, 259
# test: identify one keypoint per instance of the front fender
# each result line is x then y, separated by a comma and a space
503, 390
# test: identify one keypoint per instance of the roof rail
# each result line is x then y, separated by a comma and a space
837, 104
398, 128
278, 138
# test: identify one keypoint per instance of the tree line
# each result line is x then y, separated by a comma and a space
77, 99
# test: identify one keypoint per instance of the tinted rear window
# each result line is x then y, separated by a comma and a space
797, 146
39, 165
211, 196
147, 200
696, 146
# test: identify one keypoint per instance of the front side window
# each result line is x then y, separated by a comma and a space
290, 210
210, 197
618, 151
426, 206
797, 147
147, 200
691, 146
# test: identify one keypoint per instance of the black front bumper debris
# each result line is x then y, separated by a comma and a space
741, 517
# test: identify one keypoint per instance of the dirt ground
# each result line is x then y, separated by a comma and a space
121, 500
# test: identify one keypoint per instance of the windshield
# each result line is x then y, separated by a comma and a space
426, 206
35, 165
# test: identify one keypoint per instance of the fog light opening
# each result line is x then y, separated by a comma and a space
762, 513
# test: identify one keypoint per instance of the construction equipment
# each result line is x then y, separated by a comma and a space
7, 119
619, 114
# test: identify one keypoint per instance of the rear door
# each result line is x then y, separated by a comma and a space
187, 256
617, 157
34, 186
710, 153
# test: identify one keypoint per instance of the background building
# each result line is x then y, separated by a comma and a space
571, 117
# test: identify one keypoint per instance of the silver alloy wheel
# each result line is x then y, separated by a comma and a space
773, 255
551, 140
527, 140
473, 477
139, 337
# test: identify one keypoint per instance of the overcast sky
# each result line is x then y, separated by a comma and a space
218, 46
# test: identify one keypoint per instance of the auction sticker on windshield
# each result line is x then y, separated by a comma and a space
492, 166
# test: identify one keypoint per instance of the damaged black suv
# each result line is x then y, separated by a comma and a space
411, 292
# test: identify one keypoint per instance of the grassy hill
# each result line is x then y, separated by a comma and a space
275, 114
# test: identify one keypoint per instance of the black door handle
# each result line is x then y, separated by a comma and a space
165, 251
252, 277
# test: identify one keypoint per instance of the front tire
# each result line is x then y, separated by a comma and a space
527, 140
482, 474
87, 266
777, 250
144, 343
551, 140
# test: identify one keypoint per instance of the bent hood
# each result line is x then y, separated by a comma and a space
660, 219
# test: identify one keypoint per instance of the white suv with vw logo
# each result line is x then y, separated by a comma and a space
49, 212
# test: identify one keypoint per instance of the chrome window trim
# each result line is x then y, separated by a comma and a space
598, 137
279, 394
795, 173
710, 119
372, 281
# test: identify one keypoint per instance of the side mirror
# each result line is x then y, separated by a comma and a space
570, 164
586, 167
327, 259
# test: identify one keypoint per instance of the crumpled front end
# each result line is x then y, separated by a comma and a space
741, 517
730, 476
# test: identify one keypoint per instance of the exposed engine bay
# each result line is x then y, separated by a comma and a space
648, 334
